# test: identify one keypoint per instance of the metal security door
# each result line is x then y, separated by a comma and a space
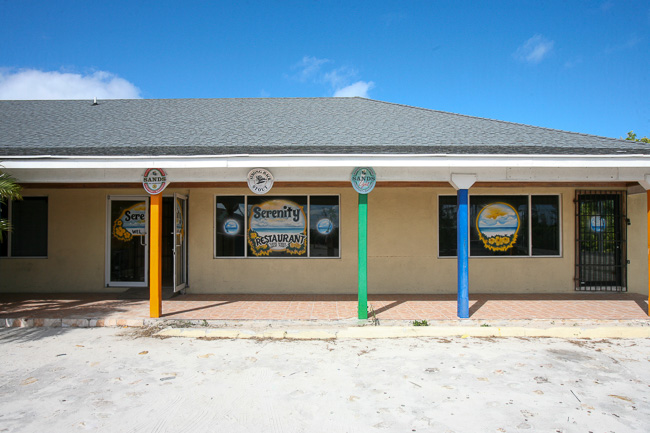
601, 235
180, 242
127, 243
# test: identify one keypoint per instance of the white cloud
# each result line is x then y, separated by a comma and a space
360, 88
535, 49
308, 67
340, 77
343, 81
35, 84
630, 43
573, 63
605, 6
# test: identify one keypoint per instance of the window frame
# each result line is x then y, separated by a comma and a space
307, 214
530, 226
9, 234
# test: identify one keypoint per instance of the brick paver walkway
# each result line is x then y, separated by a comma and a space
612, 306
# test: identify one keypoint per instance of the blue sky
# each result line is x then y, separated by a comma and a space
574, 65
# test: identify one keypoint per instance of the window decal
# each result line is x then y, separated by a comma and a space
324, 226
497, 225
132, 222
277, 226
231, 227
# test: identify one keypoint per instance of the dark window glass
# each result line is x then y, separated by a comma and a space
231, 226
544, 215
498, 225
324, 226
277, 226
29, 221
4, 244
447, 241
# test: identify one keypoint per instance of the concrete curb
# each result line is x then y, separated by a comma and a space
364, 332
354, 329
72, 323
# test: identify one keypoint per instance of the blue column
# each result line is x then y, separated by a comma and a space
462, 228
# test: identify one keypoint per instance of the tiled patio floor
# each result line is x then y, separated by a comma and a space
611, 306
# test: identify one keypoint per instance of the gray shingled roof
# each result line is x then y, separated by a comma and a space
189, 127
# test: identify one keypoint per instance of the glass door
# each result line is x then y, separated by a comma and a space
127, 258
180, 242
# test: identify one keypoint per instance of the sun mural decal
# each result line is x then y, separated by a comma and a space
498, 225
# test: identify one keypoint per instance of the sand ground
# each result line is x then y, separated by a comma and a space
122, 380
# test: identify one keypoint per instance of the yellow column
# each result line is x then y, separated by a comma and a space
155, 255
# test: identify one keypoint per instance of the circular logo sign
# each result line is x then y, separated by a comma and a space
598, 224
231, 227
324, 226
260, 180
154, 180
363, 179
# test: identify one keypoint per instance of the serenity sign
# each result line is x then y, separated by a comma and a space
276, 227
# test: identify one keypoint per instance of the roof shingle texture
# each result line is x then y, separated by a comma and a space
192, 127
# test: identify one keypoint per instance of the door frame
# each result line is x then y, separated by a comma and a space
109, 225
183, 246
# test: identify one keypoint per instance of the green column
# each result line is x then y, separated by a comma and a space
363, 256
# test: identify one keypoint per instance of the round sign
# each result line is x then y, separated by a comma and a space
498, 226
324, 226
363, 179
154, 180
598, 224
260, 180
231, 227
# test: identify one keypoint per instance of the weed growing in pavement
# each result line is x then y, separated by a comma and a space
420, 323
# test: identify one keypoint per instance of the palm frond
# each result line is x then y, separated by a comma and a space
4, 227
9, 189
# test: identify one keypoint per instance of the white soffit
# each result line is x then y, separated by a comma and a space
325, 161
334, 174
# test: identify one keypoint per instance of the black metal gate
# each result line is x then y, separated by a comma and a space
601, 235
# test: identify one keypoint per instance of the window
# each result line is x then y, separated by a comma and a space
277, 226
516, 225
545, 218
324, 226
231, 213
447, 241
28, 218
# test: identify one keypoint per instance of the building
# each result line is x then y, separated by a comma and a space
542, 210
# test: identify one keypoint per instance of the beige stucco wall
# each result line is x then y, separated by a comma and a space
403, 251
76, 239
404, 256
637, 245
